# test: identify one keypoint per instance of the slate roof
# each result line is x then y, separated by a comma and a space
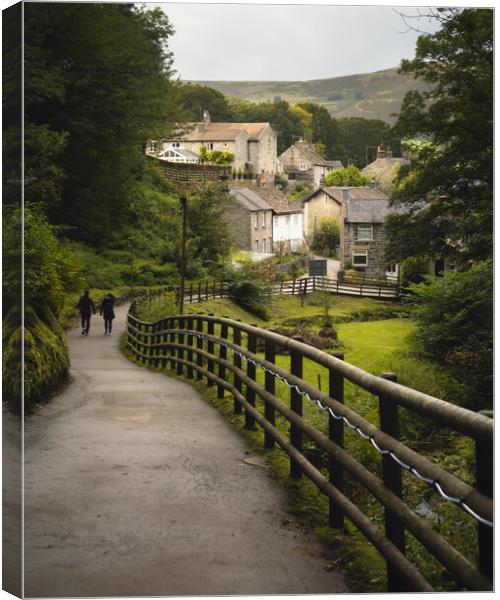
223, 132
249, 199
384, 169
279, 202
367, 211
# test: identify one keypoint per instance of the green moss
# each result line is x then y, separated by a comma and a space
46, 358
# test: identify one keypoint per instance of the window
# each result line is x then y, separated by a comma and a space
360, 258
263, 219
225, 144
287, 221
256, 220
209, 145
257, 244
153, 146
302, 167
391, 268
176, 144
365, 232
295, 219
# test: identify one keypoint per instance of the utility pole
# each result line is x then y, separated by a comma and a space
183, 206
131, 258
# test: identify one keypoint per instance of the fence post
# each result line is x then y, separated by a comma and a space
237, 363
296, 368
171, 339
180, 352
206, 289
336, 434
213, 289
484, 484
155, 339
189, 326
293, 287
391, 475
191, 294
250, 394
222, 354
199, 345
270, 385
314, 283
210, 349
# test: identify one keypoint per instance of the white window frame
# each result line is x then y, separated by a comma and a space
368, 235
295, 219
176, 144
302, 167
359, 254
255, 220
263, 220
209, 145
153, 146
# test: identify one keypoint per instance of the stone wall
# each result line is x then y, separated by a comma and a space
239, 219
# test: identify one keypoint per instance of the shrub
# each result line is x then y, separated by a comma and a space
248, 288
347, 176
454, 317
326, 237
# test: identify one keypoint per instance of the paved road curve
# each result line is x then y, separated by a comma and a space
136, 486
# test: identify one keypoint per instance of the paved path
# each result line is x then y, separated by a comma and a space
134, 485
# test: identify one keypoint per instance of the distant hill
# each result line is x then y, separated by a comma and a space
369, 95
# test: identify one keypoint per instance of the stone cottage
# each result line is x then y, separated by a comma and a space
254, 145
301, 162
384, 168
251, 220
360, 213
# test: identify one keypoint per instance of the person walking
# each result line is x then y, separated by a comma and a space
86, 306
107, 312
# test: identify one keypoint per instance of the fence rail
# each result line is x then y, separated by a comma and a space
200, 346
197, 292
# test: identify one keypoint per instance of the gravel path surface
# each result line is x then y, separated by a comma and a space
134, 485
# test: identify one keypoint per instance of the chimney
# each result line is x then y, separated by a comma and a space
388, 154
205, 121
380, 151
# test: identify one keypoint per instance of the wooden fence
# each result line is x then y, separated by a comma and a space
241, 359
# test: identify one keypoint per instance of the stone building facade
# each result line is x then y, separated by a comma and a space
254, 145
302, 163
251, 221
360, 213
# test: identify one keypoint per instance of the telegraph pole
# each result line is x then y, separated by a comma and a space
183, 206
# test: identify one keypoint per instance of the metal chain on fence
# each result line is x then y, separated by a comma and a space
434, 483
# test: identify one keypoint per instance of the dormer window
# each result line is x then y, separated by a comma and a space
302, 167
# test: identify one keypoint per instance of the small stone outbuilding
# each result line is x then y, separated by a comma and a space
302, 163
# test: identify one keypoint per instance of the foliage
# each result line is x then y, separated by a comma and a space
360, 138
448, 191
325, 132
195, 98
219, 157
455, 327
91, 101
306, 119
300, 190
49, 266
248, 288
153, 308
347, 176
413, 270
326, 237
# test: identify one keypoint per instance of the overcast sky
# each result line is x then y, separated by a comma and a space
287, 42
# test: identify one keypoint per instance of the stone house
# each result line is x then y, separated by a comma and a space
302, 163
384, 168
288, 220
360, 213
254, 145
251, 220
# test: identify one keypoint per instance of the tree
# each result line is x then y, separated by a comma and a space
195, 98
347, 176
454, 320
447, 194
360, 138
325, 130
326, 237
91, 102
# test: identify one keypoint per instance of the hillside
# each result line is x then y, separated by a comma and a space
370, 95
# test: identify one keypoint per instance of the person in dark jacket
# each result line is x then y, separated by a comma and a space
107, 312
86, 306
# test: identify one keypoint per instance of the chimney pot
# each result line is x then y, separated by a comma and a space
380, 151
